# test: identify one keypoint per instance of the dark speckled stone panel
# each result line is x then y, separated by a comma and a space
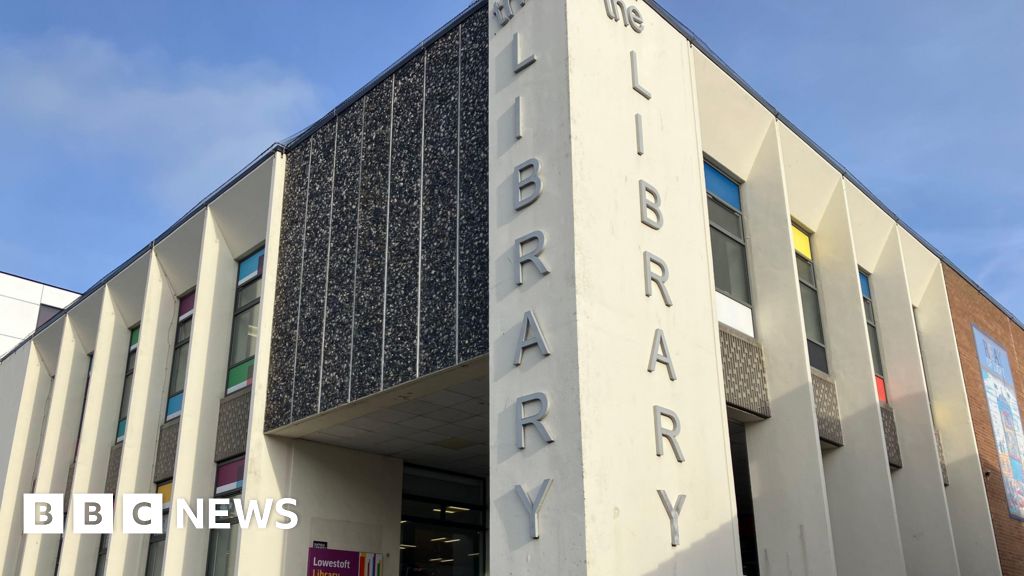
440, 197
473, 253
373, 197
306, 391
404, 227
383, 261
344, 226
286, 305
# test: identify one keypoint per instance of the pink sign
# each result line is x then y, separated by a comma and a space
327, 562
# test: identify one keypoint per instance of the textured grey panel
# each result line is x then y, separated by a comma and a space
166, 449
440, 195
746, 385
826, 407
341, 270
402, 300
382, 273
286, 305
368, 338
113, 468
892, 441
306, 390
473, 195
232, 425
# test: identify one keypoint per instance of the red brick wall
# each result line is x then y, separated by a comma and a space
969, 307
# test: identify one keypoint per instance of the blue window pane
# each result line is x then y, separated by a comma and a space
721, 186
865, 285
174, 405
251, 267
122, 424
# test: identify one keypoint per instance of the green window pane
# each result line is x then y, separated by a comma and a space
241, 375
133, 340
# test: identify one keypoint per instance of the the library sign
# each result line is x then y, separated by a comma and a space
327, 562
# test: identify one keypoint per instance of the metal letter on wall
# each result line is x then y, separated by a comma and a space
639, 134
533, 505
528, 184
522, 420
532, 256
673, 513
650, 203
530, 335
636, 76
521, 63
660, 354
661, 434
660, 279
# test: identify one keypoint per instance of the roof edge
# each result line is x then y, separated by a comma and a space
707, 51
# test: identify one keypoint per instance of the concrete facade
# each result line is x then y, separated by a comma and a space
493, 265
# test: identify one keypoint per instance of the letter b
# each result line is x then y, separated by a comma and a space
43, 513
92, 513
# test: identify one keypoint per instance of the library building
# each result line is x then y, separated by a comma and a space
558, 293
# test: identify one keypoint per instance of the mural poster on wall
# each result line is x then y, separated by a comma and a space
1005, 414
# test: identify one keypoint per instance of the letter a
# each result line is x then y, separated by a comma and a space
530, 337
660, 353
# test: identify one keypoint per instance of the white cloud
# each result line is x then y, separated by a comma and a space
185, 126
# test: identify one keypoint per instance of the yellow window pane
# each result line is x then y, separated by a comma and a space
802, 242
165, 491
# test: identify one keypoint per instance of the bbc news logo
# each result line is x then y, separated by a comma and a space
143, 513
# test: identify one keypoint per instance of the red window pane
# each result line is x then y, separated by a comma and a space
880, 387
229, 476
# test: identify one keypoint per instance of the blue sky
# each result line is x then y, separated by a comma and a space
117, 117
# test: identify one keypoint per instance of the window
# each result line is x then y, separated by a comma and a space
223, 553
101, 558
876, 351
728, 248
126, 391
222, 557
809, 299
229, 476
179, 360
245, 326
158, 542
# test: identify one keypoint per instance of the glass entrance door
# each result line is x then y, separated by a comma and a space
443, 524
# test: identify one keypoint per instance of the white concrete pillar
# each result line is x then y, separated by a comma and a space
267, 459
204, 387
21, 471
79, 552
920, 496
127, 554
58, 448
595, 139
965, 495
787, 479
862, 510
